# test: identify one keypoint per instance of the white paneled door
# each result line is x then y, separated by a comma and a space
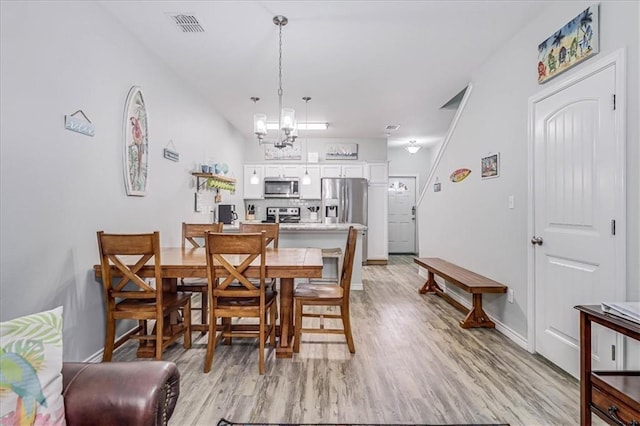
576, 176
402, 214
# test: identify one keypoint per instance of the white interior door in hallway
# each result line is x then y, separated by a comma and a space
402, 214
577, 178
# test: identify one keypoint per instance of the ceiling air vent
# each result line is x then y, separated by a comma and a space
392, 127
186, 22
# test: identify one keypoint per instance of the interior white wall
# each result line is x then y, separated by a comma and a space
58, 187
368, 149
401, 162
469, 223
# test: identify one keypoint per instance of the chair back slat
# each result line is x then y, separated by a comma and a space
271, 230
347, 264
191, 231
129, 273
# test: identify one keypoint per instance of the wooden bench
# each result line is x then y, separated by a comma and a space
467, 281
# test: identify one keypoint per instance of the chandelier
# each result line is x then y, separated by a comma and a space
287, 131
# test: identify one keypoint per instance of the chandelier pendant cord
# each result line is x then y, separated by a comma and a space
287, 128
280, 83
306, 100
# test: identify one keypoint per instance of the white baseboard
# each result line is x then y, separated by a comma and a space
357, 286
97, 356
518, 339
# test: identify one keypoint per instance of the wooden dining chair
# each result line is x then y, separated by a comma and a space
194, 233
133, 298
233, 295
271, 231
272, 235
327, 295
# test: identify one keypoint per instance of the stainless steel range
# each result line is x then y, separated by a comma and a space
283, 215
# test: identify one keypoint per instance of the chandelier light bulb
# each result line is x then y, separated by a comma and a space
288, 118
260, 124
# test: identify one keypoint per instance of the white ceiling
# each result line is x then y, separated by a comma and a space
365, 64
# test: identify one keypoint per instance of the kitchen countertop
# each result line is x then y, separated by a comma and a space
316, 226
306, 226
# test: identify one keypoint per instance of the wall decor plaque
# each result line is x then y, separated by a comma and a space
136, 143
490, 165
576, 41
459, 175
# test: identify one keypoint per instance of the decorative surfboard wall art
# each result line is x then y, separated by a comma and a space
459, 175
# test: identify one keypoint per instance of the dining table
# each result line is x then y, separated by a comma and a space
287, 264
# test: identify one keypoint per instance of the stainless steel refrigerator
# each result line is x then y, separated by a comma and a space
344, 200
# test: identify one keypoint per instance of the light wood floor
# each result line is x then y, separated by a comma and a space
413, 364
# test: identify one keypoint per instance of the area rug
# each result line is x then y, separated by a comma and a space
225, 422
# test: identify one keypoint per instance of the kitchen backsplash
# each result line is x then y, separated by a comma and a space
261, 207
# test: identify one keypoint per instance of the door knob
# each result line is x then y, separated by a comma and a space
536, 240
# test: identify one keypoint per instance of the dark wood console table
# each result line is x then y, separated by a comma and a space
613, 396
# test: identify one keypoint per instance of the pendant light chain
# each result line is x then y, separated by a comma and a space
306, 180
280, 83
287, 129
306, 131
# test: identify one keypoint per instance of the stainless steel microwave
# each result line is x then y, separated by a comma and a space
281, 188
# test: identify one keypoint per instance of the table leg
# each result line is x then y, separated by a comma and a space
477, 317
431, 285
285, 343
585, 369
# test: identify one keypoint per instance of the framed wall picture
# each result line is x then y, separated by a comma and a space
286, 153
342, 151
490, 166
136, 143
576, 41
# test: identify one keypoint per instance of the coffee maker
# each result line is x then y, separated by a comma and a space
227, 213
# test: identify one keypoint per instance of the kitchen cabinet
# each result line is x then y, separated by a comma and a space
281, 170
313, 190
253, 191
377, 172
342, 170
378, 229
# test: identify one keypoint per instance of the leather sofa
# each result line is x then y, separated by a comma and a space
120, 393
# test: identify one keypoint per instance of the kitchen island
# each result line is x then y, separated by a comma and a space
320, 235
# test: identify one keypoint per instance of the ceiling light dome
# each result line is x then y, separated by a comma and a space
413, 147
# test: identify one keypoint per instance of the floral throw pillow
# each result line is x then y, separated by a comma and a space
31, 370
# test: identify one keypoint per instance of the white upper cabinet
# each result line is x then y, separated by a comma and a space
353, 171
330, 171
313, 190
253, 191
377, 172
281, 170
338, 170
